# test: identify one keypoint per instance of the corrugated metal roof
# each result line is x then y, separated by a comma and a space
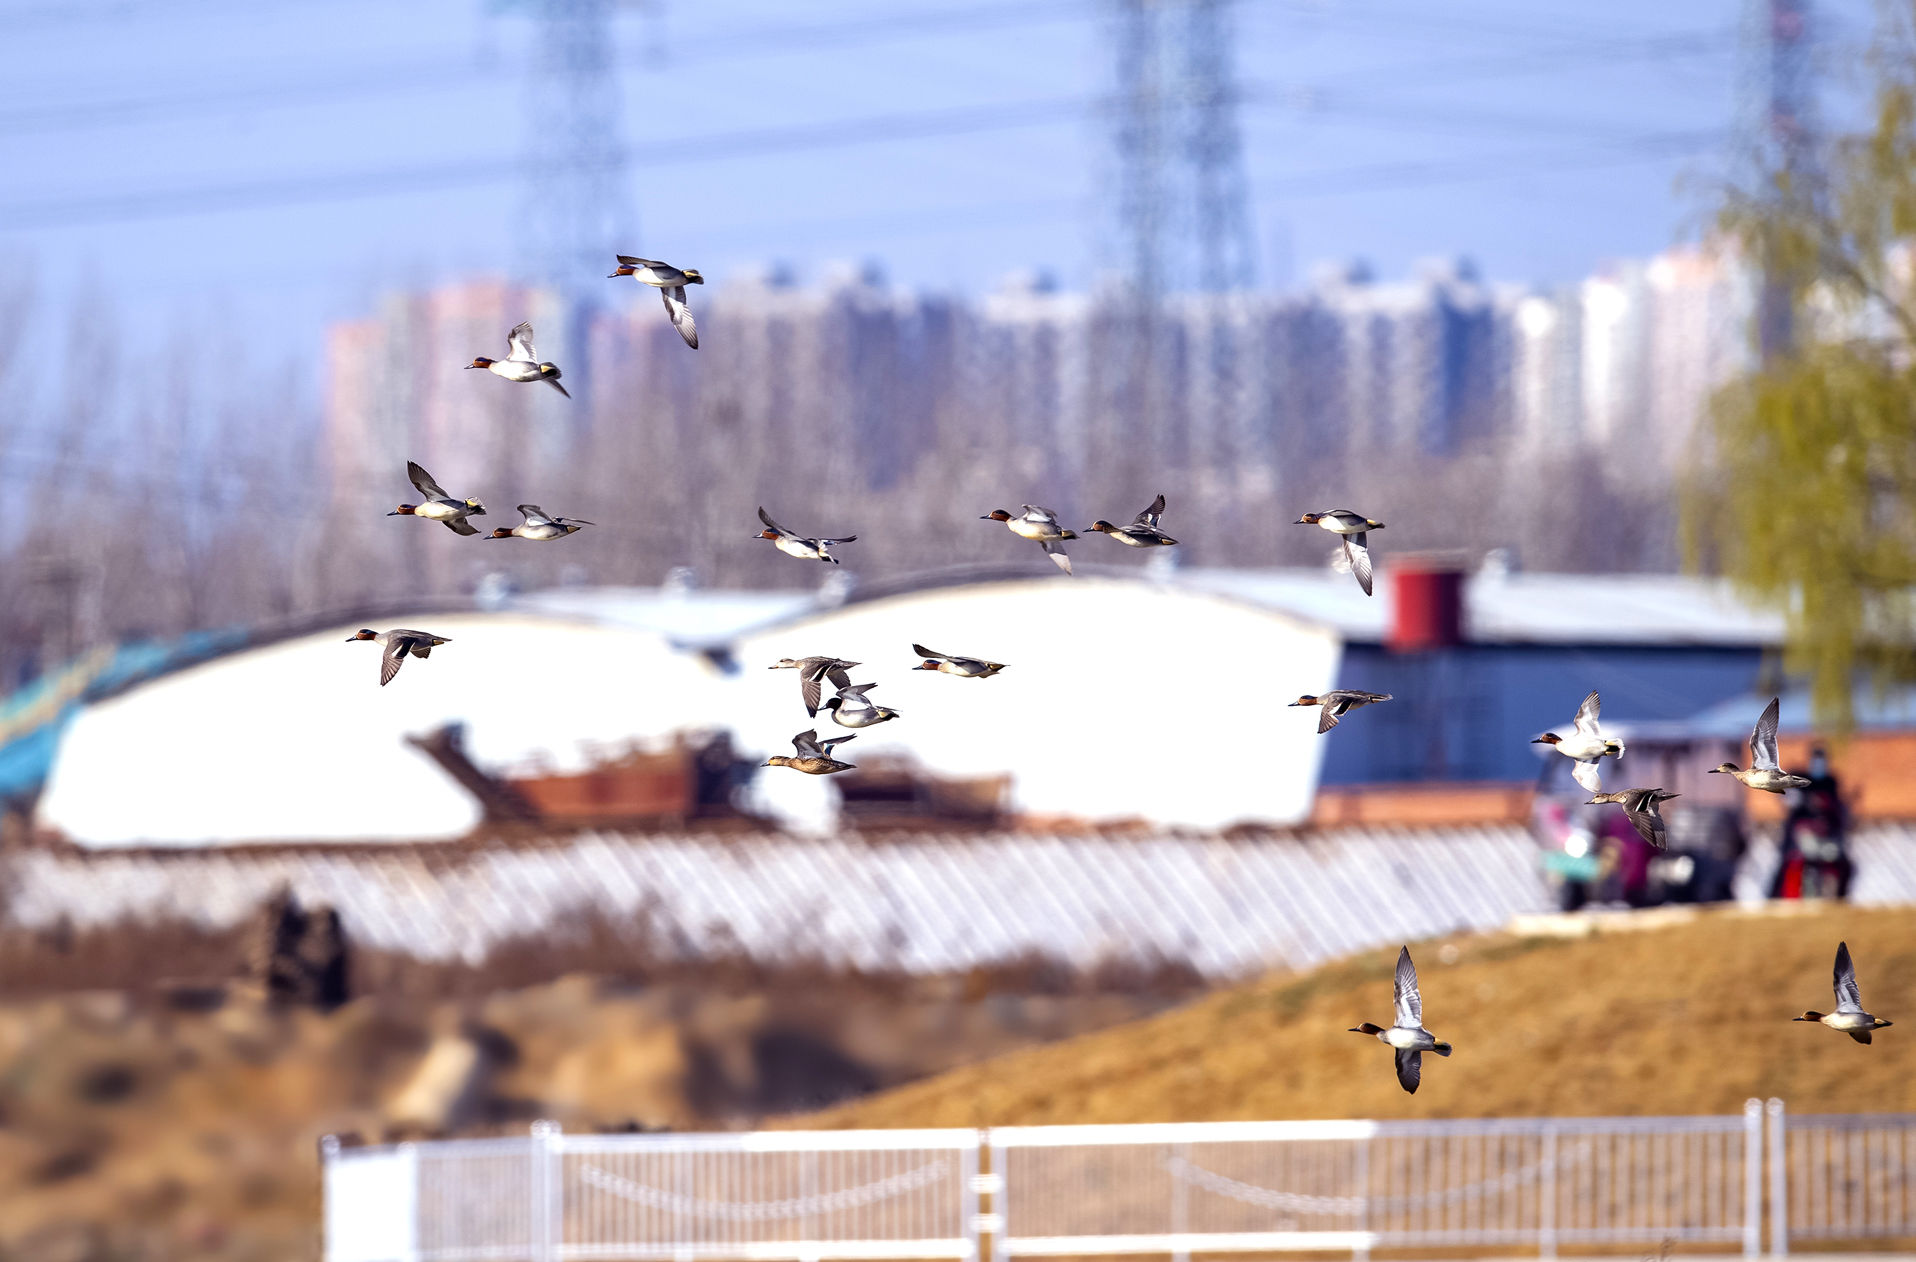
931, 905
1892, 710
1225, 908
1647, 609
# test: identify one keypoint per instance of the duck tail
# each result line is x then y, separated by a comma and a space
1442, 1049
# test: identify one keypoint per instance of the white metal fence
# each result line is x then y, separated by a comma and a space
1515, 1184
802, 1196
1269, 1186
1842, 1177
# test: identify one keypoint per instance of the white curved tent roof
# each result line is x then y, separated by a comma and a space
1122, 699
297, 740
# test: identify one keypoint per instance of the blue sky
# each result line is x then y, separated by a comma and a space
1540, 139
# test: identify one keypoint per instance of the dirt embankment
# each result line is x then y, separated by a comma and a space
183, 1122
1671, 1014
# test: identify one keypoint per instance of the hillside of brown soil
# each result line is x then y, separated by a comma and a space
1659, 1013
184, 1123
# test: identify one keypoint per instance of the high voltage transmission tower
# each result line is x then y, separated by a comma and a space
1182, 200
576, 208
1780, 101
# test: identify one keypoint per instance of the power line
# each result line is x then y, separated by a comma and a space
351, 186
418, 76
914, 125
1333, 182
429, 75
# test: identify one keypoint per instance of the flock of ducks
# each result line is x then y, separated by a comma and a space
851, 705
1408, 1038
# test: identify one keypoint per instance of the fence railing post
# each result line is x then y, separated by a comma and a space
1180, 1200
547, 1217
970, 1186
1000, 1198
1362, 1182
1752, 1177
1547, 1195
1779, 1180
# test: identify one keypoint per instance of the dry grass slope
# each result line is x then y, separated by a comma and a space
1684, 1017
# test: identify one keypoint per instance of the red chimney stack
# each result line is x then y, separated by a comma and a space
1427, 604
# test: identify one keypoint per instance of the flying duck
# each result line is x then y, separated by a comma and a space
1764, 772
852, 708
436, 505
1143, 531
522, 361
963, 667
798, 545
1352, 527
1849, 1016
1338, 703
813, 756
812, 674
1040, 524
1586, 745
1641, 807
539, 524
399, 641
1407, 1035
670, 282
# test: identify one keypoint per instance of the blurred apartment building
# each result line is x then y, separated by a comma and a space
848, 385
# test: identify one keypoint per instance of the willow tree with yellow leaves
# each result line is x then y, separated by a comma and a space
1807, 498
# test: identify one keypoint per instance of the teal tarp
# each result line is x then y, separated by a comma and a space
32, 719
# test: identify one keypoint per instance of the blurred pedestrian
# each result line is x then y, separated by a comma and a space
1813, 859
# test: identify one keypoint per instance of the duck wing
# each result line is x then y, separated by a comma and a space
1327, 716
1036, 513
1640, 808
423, 482
1055, 550
633, 261
554, 383
1410, 1001
856, 692
805, 745
393, 657
826, 745
1587, 715
1410, 1068
922, 651
774, 526
811, 676
535, 516
460, 526
681, 314
519, 343
1149, 517
1359, 556
1763, 737
1589, 775
1848, 997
